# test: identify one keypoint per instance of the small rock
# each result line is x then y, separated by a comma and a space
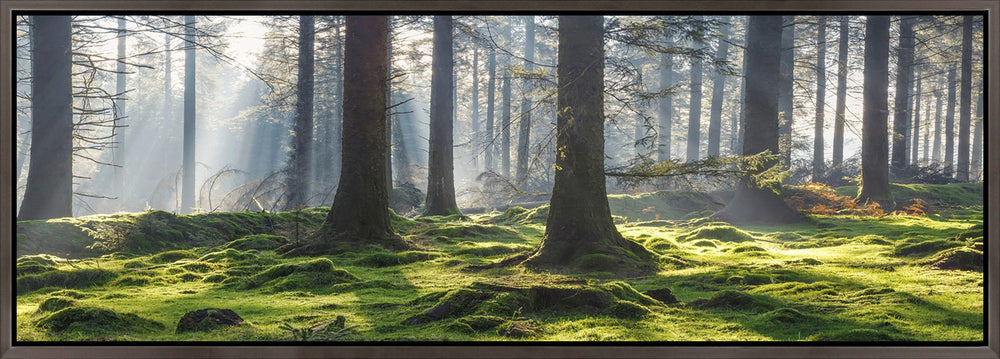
208, 319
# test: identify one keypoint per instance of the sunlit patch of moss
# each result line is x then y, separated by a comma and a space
856, 335
735, 300
961, 258
54, 303
720, 233
257, 241
389, 259
76, 278
491, 250
920, 248
310, 274
172, 256
97, 321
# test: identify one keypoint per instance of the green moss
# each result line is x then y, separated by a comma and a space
388, 259
215, 278
77, 278
475, 323
259, 242
626, 309
311, 274
172, 256
871, 239
54, 303
962, 258
705, 243
746, 248
228, 255
659, 244
735, 301
595, 262
918, 248
491, 251
784, 316
94, 321
804, 262
69, 293
855, 335
720, 233
131, 281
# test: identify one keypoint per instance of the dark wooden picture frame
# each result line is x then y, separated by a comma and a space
991, 349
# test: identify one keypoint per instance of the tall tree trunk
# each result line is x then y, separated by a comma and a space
523, 139
640, 117
838, 124
338, 93
505, 108
965, 112
302, 136
22, 150
927, 133
49, 189
818, 158
579, 221
743, 93
949, 126
694, 115
491, 86
388, 110
441, 166
875, 132
474, 108
751, 203
718, 91
904, 82
187, 183
977, 139
915, 134
399, 149
118, 153
360, 208
938, 98
786, 77
666, 104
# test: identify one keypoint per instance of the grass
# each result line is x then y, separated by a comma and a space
841, 278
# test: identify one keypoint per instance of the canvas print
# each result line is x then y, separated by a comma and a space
541, 177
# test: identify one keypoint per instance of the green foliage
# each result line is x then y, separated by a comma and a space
721, 233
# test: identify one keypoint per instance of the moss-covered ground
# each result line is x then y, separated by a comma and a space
131, 277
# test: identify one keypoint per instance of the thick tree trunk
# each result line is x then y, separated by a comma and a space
49, 189
949, 125
360, 213
399, 148
694, 114
838, 125
904, 83
666, 109
927, 133
579, 222
302, 136
441, 166
965, 111
915, 135
818, 158
718, 91
640, 117
751, 203
187, 183
743, 94
491, 86
786, 78
875, 132
524, 137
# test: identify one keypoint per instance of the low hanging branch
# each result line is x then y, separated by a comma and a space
752, 167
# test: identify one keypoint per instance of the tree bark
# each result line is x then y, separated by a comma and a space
505, 110
838, 125
118, 153
360, 213
751, 203
786, 80
875, 132
523, 139
666, 109
474, 108
818, 158
965, 111
49, 189
187, 183
718, 91
915, 135
579, 221
441, 166
949, 126
302, 136
491, 86
977, 139
904, 82
936, 157
694, 115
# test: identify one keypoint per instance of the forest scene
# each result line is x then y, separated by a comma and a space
479, 178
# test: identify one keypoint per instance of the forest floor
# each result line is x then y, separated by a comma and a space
131, 277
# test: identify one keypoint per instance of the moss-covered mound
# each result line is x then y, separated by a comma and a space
96, 321
962, 258
616, 299
153, 231
76, 278
389, 259
919, 247
310, 274
735, 300
721, 233
260, 242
